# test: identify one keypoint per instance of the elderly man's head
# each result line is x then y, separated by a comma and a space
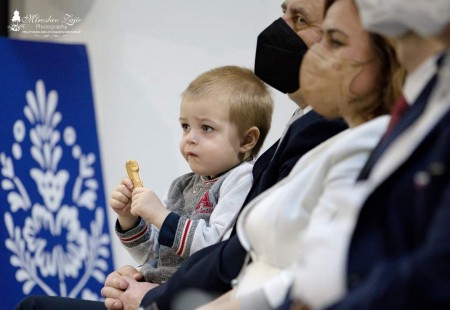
281, 46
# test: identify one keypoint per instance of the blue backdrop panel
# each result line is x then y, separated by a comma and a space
53, 229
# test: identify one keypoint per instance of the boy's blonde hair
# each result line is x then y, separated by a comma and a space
248, 97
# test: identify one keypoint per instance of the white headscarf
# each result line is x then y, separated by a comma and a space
395, 18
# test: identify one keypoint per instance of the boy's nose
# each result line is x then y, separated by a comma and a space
191, 137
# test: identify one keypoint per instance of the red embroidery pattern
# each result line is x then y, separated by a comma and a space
204, 206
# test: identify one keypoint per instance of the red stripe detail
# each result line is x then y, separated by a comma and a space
183, 239
210, 181
135, 236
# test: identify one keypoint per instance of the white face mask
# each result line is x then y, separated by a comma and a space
395, 18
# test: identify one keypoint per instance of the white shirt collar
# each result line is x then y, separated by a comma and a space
307, 109
418, 79
297, 114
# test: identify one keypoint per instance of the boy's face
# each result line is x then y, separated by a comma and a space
210, 142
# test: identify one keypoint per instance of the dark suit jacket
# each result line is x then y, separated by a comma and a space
213, 268
400, 251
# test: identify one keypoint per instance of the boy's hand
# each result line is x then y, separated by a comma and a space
146, 204
120, 202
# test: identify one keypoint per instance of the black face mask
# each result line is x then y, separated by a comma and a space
279, 53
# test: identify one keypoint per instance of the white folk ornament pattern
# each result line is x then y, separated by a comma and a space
52, 244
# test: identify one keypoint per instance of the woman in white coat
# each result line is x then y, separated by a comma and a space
351, 74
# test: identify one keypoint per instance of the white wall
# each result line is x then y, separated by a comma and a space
143, 53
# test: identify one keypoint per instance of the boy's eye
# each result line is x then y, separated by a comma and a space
206, 128
185, 127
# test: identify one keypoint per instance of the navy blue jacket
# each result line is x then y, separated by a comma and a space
400, 250
213, 268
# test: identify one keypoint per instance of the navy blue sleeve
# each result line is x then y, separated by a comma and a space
168, 229
211, 269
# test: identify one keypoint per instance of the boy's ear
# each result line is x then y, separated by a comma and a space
250, 139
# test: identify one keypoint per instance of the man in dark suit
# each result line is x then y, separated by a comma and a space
399, 256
